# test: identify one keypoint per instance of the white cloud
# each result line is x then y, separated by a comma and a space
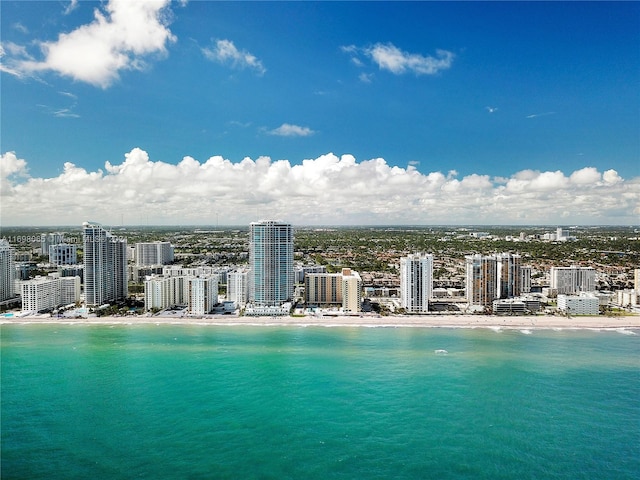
288, 130
20, 27
389, 57
586, 176
329, 189
71, 7
121, 37
225, 52
11, 167
536, 115
366, 77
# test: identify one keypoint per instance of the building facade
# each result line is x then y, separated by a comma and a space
270, 262
105, 265
63, 254
416, 282
7, 271
509, 275
351, 291
323, 289
203, 295
153, 253
48, 293
583, 304
573, 280
238, 287
481, 280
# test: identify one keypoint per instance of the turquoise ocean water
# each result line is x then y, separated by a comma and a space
197, 402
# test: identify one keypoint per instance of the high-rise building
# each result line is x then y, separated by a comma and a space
323, 288
105, 265
572, 280
481, 280
7, 271
271, 263
49, 239
238, 287
161, 291
203, 294
509, 275
525, 279
416, 282
351, 291
153, 253
63, 254
47, 293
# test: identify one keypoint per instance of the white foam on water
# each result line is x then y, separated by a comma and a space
526, 331
624, 331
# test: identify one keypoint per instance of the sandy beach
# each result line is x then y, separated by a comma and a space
441, 321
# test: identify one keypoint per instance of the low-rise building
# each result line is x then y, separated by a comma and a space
583, 304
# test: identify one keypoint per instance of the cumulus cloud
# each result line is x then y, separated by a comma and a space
288, 130
389, 57
121, 37
330, 189
225, 52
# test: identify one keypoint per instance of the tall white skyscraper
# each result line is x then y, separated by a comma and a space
105, 265
416, 282
7, 271
271, 263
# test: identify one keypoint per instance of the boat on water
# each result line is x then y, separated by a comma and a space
441, 352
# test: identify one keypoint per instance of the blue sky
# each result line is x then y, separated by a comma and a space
470, 91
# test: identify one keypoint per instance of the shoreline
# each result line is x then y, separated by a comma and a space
425, 321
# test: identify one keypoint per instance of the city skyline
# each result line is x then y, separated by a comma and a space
352, 113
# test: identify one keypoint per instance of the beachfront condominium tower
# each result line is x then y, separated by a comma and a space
105, 265
509, 275
416, 282
271, 263
351, 291
481, 280
7, 270
238, 287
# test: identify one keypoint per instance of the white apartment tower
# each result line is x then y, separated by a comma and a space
238, 287
105, 265
351, 291
416, 282
47, 293
153, 253
481, 280
572, 280
271, 263
7, 271
203, 294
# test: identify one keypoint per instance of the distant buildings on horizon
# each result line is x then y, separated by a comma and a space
498, 282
